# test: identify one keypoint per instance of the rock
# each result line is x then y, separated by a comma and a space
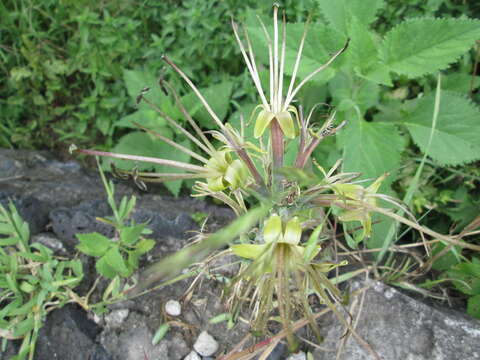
192, 356
173, 308
278, 352
298, 356
400, 327
69, 334
32, 210
49, 241
115, 318
205, 345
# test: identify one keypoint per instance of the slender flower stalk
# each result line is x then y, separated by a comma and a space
278, 113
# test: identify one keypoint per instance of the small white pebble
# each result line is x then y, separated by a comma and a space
298, 356
116, 318
173, 308
192, 356
205, 345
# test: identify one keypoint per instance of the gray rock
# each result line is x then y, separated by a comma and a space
192, 356
115, 318
49, 241
298, 356
69, 334
400, 327
205, 345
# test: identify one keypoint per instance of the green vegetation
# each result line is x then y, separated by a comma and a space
118, 256
388, 87
33, 282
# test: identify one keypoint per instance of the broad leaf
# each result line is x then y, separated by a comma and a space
455, 139
338, 13
93, 244
423, 46
115, 261
217, 96
371, 148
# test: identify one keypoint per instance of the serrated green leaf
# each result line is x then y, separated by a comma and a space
93, 244
351, 92
455, 139
115, 260
423, 46
364, 54
340, 12
217, 96
371, 148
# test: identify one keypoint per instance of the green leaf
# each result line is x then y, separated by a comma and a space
220, 318
130, 235
217, 96
371, 148
350, 92
144, 246
104, 269
24, 326
115, 260
423, 46
160, 333
473, 306
339, 12
455, 139
93, 244
364, 54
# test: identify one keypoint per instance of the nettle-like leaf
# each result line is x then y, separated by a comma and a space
338, 13
349, 93
143, 144
364, 53
218, 97
455, 139
372, 148
423, 46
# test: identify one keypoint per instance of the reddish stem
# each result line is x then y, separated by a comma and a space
277, 144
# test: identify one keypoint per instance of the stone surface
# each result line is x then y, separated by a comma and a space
192, 356
173, 308
115, 318
400, 327
205, 344
298, 356
68, 334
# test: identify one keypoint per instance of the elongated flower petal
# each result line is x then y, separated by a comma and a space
272, 229
263, 120
285, 120
293, 232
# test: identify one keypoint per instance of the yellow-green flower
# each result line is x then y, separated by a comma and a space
354, 197
224, 172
